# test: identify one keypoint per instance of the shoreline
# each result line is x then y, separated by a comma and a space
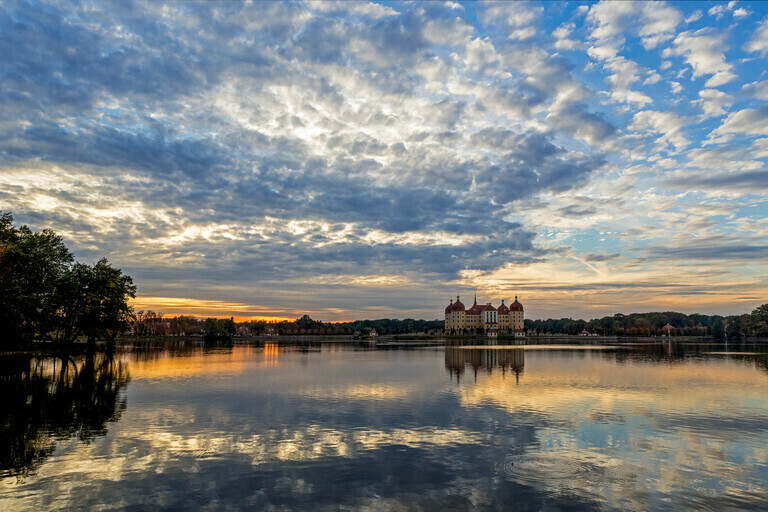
80, 348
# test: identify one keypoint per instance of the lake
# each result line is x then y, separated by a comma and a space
348, 426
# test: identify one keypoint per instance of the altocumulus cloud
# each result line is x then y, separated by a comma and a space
253, 149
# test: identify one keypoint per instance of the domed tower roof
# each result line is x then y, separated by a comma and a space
449, 307
515, 306
458, 306
503, 310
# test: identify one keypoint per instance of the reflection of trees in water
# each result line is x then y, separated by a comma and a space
761, 362
154, 348
458, 359
44, 398
675, 353
149, 349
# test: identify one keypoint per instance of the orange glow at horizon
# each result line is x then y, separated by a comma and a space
201, 308
175, 306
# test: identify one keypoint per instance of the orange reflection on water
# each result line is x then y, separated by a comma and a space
198, 363
270, 354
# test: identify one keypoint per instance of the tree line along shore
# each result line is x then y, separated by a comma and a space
673, 324
48, 296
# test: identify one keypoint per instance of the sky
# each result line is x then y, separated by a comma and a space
354, 160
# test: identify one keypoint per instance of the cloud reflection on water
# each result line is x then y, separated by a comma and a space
387, 430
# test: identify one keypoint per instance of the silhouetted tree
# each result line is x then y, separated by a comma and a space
718, 330
31, 266
45, 294
93, 302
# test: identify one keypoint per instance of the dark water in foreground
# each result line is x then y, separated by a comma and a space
338, 427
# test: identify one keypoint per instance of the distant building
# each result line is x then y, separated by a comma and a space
483, 318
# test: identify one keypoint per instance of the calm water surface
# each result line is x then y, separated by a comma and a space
342, 427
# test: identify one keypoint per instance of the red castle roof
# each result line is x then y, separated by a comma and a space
515, 306
475, 310
454, 306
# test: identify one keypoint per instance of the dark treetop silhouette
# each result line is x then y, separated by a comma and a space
47, 295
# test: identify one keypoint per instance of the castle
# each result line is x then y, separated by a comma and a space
483, 318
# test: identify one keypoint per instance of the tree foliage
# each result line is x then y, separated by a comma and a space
651, 324
47, 295
306, 326
754, 324
718, 330
219, 328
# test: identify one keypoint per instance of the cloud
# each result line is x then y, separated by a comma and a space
562, 34
756, 90
598, 258
756, 181
710, 248
530, 163
658, 23
695, 16
717, 10
575, 119
608, 19
577, 211
331, 146
741, 12
519, 19
667, 125
280, 127
365, 9
703, 51
653, 78
625, 73
724, 168
759, 40
749, 121
713, 102
655, 23
720, 9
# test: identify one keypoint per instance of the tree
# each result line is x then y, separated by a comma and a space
218, 329
31, 266
305, 322
45, 294
94, 302
758, 321
718, 331
734, 328
183, 325
761, 313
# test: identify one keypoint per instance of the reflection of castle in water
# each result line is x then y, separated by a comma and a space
504, 359
45, 398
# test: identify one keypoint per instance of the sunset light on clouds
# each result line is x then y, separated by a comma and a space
366, 160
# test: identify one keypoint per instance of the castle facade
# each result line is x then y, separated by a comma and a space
483, 318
